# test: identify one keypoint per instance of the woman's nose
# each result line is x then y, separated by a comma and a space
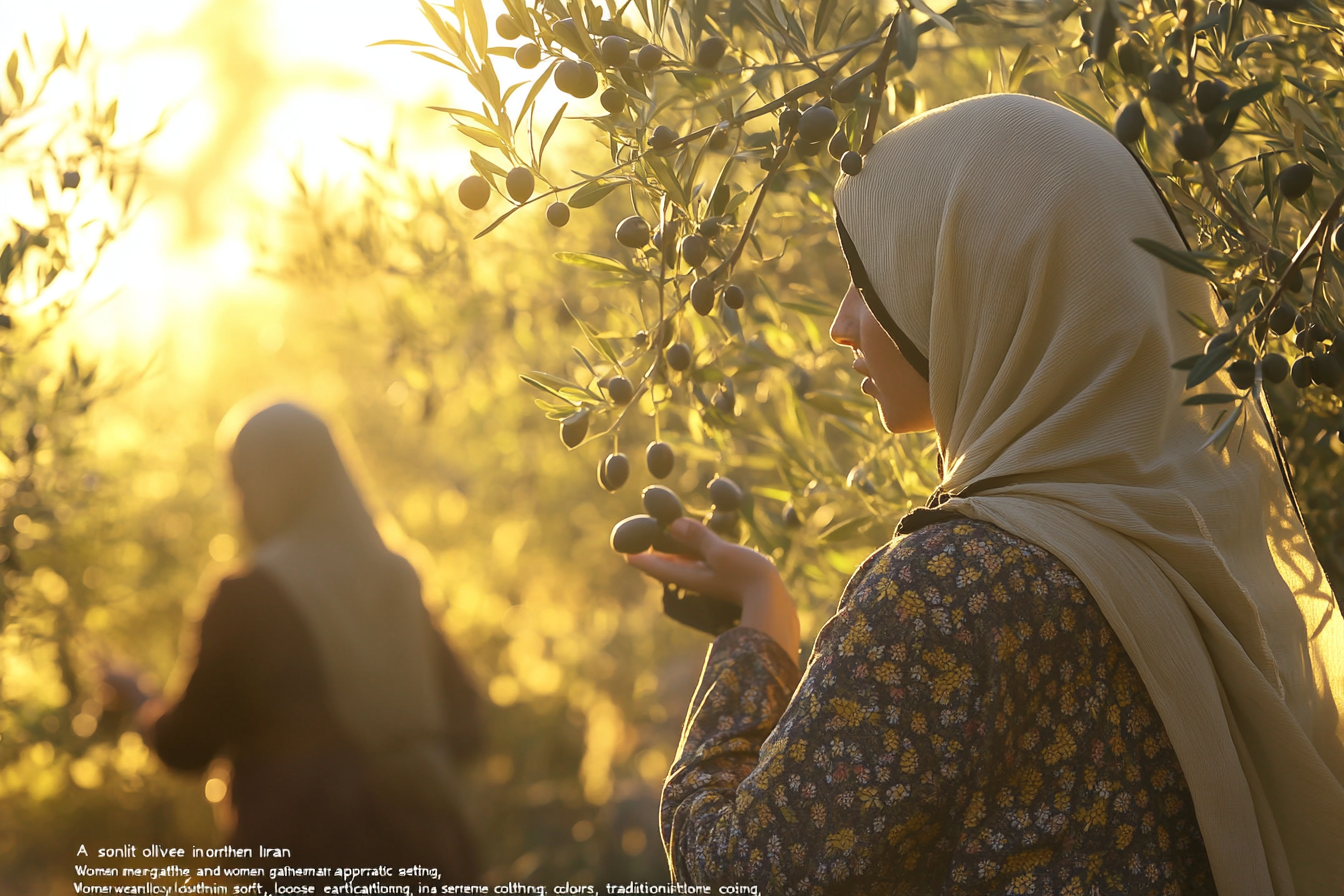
845, 329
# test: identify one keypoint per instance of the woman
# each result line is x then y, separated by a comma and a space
322, 677
1108, 661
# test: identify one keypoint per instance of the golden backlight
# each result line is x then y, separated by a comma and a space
254, 90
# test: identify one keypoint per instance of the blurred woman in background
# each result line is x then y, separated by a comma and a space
321, 676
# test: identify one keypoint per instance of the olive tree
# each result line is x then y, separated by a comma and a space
726, 125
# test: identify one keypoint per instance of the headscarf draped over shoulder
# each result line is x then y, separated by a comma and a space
361, 601
993, 238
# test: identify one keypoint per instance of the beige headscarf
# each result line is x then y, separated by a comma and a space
361, 601
996, 237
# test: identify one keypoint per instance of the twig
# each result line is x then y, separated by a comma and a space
879, 86
1322, 230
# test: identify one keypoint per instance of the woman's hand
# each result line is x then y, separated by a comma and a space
730, 572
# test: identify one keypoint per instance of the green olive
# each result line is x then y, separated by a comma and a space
527, 55
614, 51
520, 183
507, 28
702, 296
473, 192
613, 100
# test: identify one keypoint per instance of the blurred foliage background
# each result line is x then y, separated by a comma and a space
248, 248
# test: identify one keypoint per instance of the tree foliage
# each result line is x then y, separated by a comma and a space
1233, 108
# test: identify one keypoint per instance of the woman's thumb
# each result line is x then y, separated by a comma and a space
691, 532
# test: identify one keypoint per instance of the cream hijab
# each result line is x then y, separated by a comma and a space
361, 602
995, 236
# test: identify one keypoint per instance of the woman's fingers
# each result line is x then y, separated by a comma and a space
693, 575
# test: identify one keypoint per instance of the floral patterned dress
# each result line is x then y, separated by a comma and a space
968, 724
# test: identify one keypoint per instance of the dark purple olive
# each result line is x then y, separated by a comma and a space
557, 214
679, 356
817, 124
838, 146
649, 58
694, 249
633, 232
851, 163
709, 52
734, 297
1281, 319
634, 534
659, 458
790, 517
847, 89
1192, 141
620, 390
661, 138
723, 522
1242, 373
613, 471
614, 51
661, 503
725, 494
1130, 123
1165, 84
788, 120
1274, 367
1325, 370
1209, 94
1295, 180
574, 428
1302, 372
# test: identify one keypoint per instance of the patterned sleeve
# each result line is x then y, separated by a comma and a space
806, 795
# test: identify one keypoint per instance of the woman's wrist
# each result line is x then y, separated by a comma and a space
769, 608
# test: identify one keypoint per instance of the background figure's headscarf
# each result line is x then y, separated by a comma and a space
994, 235
361, 601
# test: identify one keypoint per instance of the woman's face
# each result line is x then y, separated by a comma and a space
902, 394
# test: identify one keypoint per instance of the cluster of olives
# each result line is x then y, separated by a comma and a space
1204, 130
1318, 365
636, 534
614, 469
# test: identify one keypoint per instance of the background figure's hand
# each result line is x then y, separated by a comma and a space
730, 572
126, 693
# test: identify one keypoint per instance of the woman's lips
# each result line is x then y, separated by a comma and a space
861, 367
